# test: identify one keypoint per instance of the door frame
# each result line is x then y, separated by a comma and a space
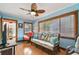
9, 20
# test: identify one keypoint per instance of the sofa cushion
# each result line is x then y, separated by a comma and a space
26, 37
42, 36
43, 43
48, 38
45, 37
36, 36
54, 40
54, 35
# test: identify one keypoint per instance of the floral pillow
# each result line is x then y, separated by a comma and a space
48, 39
42, 36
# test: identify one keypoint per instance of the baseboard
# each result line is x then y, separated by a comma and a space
20, 40
23, 41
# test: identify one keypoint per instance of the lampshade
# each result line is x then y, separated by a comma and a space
33, 13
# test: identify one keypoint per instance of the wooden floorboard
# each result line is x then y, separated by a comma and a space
19, 50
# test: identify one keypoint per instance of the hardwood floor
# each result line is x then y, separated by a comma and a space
19, 50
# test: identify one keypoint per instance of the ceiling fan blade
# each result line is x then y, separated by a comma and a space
25, 9
40, 11
28, 13
33, 7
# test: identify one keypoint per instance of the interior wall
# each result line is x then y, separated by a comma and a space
63, 42
20, 30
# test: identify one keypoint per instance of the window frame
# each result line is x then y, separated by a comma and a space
75, 13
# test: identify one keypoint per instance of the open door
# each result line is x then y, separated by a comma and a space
10, 28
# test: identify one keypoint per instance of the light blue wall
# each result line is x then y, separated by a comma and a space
20, 30
63, 42
59, 12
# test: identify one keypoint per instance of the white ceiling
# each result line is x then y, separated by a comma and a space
13, 8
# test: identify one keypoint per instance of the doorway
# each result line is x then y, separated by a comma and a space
9, 30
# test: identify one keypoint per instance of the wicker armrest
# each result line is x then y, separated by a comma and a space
68, 47
69, 50
56, 44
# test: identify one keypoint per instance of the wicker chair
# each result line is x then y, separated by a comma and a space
73, 51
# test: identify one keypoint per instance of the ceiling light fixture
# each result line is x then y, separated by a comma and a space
33, 13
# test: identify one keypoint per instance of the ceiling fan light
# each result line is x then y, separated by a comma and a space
33, 13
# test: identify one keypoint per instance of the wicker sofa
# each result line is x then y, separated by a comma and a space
47, 40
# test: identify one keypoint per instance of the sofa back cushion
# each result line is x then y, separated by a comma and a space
54, 40
44, 36
47, 37
36, 36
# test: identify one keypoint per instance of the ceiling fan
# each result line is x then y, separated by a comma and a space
34, 11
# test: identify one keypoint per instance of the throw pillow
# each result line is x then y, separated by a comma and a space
49, 38
42, 37
53, 40
46, 37
35, 36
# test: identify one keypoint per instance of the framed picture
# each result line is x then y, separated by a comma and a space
20, 25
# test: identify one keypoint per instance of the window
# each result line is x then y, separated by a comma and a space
51, 26
27, 27
66, 25
54, 26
